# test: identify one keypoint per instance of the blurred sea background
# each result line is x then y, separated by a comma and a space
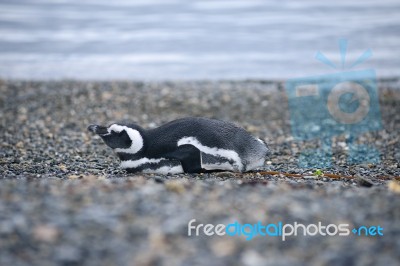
180, 39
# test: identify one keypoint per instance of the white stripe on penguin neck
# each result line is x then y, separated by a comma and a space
134, 135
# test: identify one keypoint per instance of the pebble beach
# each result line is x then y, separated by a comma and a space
65, 201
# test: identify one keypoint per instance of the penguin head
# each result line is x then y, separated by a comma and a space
120, 137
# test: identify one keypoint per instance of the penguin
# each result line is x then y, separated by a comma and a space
186, 145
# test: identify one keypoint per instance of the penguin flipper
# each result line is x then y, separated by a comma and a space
189, 156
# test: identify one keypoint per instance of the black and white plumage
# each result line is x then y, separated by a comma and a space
190, 145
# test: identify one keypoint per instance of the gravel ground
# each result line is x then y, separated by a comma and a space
63, 199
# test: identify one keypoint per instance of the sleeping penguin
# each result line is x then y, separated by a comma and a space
187, 145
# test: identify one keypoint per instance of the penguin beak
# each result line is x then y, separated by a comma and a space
100, 130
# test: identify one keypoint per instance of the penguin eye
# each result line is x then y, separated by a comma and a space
113, 131
117, 130
118, 133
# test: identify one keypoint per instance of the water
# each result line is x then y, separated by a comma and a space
166, 39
